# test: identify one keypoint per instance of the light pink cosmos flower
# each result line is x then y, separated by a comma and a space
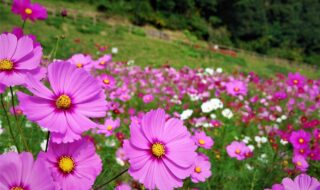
102, 62
109, 126
236, 87
17, 109
21, 172
65, 110
18, 57
82, 61
300, 162
27, 10
301, 182
123, 186
73, 165
202, 169
238, 150
147, 98
202, 140
107, 81
161, 152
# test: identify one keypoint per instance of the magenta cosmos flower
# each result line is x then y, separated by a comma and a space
276, 187
109, 126
102, 62
82, 61
18, 57
202, 169
238, 150
300, 162
27, 10
236, 88
161, 152
64, 110
202, 140
300, 139
73, 165
21, 172
301, 182
2, 88
295, 79
107, 81
147, 98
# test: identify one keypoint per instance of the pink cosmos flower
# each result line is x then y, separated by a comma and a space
276, 187
82, 61
27, 10
161, 152
109, 126
202, 169
2, 88
21, 172
295, 79
102, 62
236, 88
120, 154
64, 110
17, 109
73, 165
301, 182
300, 162
300, 139
147, 98
123, 186
202, 140
18, 57
238, 150
107, 81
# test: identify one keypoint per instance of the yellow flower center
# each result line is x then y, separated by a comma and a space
295, 81
301, 140
158, 150
6, 65
301, 151
299, 163
66, 164
197, 169
109, 127
28, 11
238, 151
236, 89
79, 65
202, 142
17, 188
102, 63
63, 102
106, 81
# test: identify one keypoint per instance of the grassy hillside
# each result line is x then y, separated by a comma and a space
82, 34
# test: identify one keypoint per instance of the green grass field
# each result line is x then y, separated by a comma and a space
133, 44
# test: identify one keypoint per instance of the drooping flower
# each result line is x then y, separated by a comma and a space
82, 61
301, 182
236, 87
102, 62
161, 152
202, 169
147, 98
300, 139
295, 79
238, 150
109, 126
18, 57
64, 110
28, 10
107, 81
21, 172
202, 140
73, 165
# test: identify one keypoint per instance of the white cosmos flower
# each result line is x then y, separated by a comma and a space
227, 113
211, 105
114, 50
186, 114
219, 70
209, 71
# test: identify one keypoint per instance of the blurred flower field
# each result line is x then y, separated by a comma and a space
90, 122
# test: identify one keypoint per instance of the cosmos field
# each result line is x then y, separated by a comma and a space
88, 122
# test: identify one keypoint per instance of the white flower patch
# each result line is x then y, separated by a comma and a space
186, 114
227, 113
211, 105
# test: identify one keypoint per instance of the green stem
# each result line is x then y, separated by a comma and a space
23, 24
17, 123
112, 179
9, 124
48, 137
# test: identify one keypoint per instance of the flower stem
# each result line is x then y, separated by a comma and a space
112, 179
17, 123
48, 137
23, 24
9, 124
